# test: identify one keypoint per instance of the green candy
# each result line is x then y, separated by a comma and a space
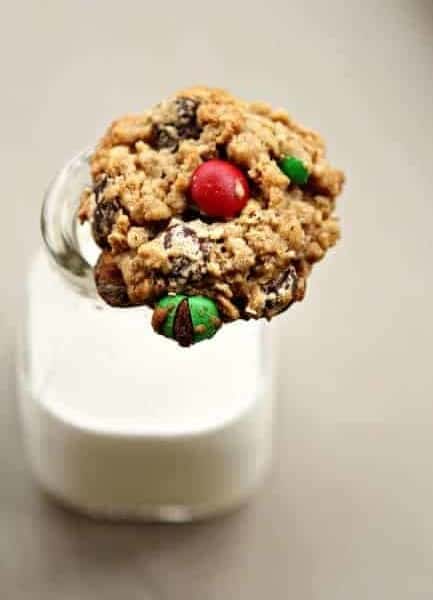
294, 169
170, 303
186, 319
205, 317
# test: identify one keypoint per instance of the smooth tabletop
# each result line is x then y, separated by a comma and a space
347, 512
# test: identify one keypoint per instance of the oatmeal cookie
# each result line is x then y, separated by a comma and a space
245, 233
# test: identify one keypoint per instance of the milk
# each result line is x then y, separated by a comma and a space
121, 422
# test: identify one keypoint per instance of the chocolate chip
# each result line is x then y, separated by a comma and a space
154, 228
165, 136
186, 109
180, 267
168, 135
104, 218
190, 214
109, 281
285, 281
189, 132
240, 302
183, 328
176, 233
315, 187
187, 118
221, 150
188, 255
281, 291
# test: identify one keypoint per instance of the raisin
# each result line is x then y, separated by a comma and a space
316, 187
104, 218
109, 281
100, 186
221, 151
240, 302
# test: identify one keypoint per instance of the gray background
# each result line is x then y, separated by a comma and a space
347, 511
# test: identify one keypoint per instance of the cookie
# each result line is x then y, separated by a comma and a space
209, 195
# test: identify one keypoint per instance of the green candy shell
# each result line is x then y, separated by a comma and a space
295, 169
171, 303
204, 312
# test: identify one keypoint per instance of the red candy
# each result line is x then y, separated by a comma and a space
219, 189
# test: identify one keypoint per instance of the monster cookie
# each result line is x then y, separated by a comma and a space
210, 201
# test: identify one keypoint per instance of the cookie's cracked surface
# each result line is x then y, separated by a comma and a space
155, 241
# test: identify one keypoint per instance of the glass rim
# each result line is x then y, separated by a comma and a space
58, 222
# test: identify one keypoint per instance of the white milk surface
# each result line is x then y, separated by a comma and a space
121, 421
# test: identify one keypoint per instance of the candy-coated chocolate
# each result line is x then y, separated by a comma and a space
205, 317
295, 169
170, 304
186, 319
219, 189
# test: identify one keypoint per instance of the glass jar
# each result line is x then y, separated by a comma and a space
121, 422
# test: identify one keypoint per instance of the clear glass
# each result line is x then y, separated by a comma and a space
123, 423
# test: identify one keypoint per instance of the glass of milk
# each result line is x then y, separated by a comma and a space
118, 421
